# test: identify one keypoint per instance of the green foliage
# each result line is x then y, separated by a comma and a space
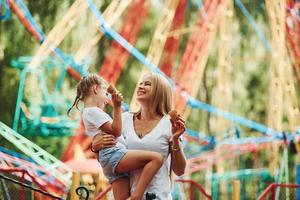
39, 8
8, 94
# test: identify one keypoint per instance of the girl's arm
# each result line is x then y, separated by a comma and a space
178, 160
115, 127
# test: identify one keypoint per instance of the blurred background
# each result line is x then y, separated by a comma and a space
233, 64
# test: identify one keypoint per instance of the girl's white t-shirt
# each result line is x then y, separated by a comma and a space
156, 140
93, 118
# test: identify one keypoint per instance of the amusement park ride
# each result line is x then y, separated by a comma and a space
49, 118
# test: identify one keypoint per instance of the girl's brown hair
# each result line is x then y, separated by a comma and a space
84, 86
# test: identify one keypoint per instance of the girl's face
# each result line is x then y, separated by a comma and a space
144, 91
101, 95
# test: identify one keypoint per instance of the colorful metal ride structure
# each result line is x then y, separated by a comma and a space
214, 17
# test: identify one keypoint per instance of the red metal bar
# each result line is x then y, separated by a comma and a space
171, 49
32, 169
193, 185
22, 195
272, 189
23, 20
192, 191
196, 185
209, 158
273, 193
117, 56
23, 185
196, 46
47, 188
292, 29
73, 73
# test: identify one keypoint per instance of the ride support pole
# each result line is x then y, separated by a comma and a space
236, 185
75, 184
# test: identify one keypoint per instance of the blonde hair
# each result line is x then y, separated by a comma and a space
161, 93
84, 86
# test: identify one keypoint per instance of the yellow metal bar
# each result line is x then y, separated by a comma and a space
236, 188
75, 184
181, 31
201, 61
111, 14
59, 32
223, 93
276, 12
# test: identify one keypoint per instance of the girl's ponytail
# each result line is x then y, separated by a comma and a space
75, 103
77, 99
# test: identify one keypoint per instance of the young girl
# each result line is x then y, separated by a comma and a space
117, 160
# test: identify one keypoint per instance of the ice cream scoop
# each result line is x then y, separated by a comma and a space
173, 114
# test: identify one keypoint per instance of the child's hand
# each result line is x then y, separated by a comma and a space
117, 99
111, 89
116, 96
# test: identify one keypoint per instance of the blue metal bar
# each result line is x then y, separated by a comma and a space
260, 34
202, 9
298, 180
6, 192
200, 4
197, 135
15, 154
19, 99
28, 16
43, 85
67, 60
240, 174
227, 115
6, 10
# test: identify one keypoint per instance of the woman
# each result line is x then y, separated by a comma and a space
151, 129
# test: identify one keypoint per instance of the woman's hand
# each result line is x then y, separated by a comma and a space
178, 161
101, 141
178, 127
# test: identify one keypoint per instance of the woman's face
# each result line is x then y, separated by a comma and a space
144, 89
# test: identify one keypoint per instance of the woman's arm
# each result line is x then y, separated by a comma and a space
178, 160
103, 141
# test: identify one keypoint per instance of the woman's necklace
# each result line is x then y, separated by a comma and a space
139, 135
